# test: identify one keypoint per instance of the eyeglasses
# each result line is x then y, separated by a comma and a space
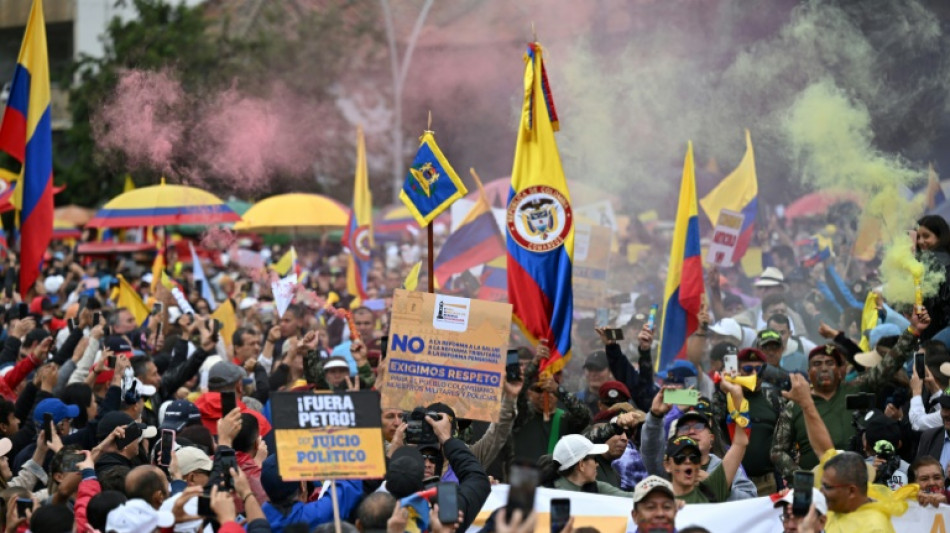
686, 428
682, 458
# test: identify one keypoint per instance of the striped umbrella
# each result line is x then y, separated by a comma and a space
163, 205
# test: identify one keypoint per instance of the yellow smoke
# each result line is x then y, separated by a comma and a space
900, 268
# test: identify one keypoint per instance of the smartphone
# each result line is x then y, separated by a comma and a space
613, 334
22, 506
23, 310
216, 326
523, 480
920, 363
157, 308
158, 332
227, 461
168, 446
132, 433
48, 426
228, 402
512, 367
448, 499
560, 514
601, 317
71, 324
730, 363
199, 286
110, 361
204, 506
106, 331
96, 316
802, 483
383, 346
651, 318
9, 278
681, 396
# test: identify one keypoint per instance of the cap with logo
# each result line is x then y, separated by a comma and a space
179, 414
767, 337
830, 350
751, 355
612, 392
649, 484
678, 372
677, 444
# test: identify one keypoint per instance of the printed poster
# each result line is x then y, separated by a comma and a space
591, 257
328, 436
725, 238
446, 349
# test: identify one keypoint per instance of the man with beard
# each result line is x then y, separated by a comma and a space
826, 369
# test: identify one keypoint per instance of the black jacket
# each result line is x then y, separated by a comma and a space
931, 442
639, 383
474, 486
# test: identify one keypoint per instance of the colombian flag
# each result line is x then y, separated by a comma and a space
737, 192
476, 241
26, 134
684, 280
358, 236
540, 223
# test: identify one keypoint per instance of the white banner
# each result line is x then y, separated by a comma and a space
610, 514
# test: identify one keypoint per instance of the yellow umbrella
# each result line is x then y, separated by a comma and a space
294, 212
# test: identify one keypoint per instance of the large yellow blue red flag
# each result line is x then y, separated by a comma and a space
26, 134
358, 235
737, 192
683, 296
431, 184
540, 223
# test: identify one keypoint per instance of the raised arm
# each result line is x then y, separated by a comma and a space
740, 440
818, 435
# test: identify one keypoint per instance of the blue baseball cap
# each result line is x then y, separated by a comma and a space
55, 407
678, 371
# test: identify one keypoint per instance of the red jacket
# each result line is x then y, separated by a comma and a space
87, 489
13, 378
209, 405
253, 472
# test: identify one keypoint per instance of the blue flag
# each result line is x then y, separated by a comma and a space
431, 184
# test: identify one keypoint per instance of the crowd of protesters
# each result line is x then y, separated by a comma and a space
87, 389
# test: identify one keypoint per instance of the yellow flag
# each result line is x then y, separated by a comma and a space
737, 191
868, 320
130, 300
129, 184
225, 313
412, 278
286, 262
158, 269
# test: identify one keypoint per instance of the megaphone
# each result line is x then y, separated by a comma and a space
747, 382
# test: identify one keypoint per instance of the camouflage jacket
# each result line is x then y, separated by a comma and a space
785, 454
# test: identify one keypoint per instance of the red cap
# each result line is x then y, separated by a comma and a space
612, 392
751, 355
830, 350
104, 377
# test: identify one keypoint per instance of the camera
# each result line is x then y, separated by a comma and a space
859, 402
776, 376
418, 431
886, 451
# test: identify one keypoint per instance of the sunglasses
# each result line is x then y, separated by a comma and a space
429, 457
751, 369
682, 458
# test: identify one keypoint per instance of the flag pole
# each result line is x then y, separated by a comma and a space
336, 506
430, 260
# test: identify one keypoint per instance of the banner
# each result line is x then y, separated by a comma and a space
725, 238
591, 255
446, 349
610, 514
328, 436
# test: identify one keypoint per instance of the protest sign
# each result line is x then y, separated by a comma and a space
725, 238
446, 349
591, 256
283, 290
328, 436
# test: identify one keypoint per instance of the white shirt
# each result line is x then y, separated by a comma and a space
919, 418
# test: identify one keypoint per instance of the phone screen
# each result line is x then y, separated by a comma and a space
651, 318
157, 309
802, 482
23, 310
168, 446
22, 506
681, 396
228, 402
227, 462
614, 334
447, 495
560, 514
730, 363
523, 479
204, 506
132, 433
920, 361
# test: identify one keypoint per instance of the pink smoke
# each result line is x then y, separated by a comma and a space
217, 238
140, 119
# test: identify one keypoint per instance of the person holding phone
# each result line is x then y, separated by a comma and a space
119, 446
639, 380
792, 523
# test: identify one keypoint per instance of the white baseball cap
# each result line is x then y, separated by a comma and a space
727, 327
571, 449
817, 498
650, 484
137, 516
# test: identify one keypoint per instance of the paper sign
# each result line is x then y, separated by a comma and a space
328, 436
600, 213
446, 349
283, 290
725, 238
590, 266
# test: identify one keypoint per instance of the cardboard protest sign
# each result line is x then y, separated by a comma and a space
446, 349
591, 256
328, 436
725, 238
